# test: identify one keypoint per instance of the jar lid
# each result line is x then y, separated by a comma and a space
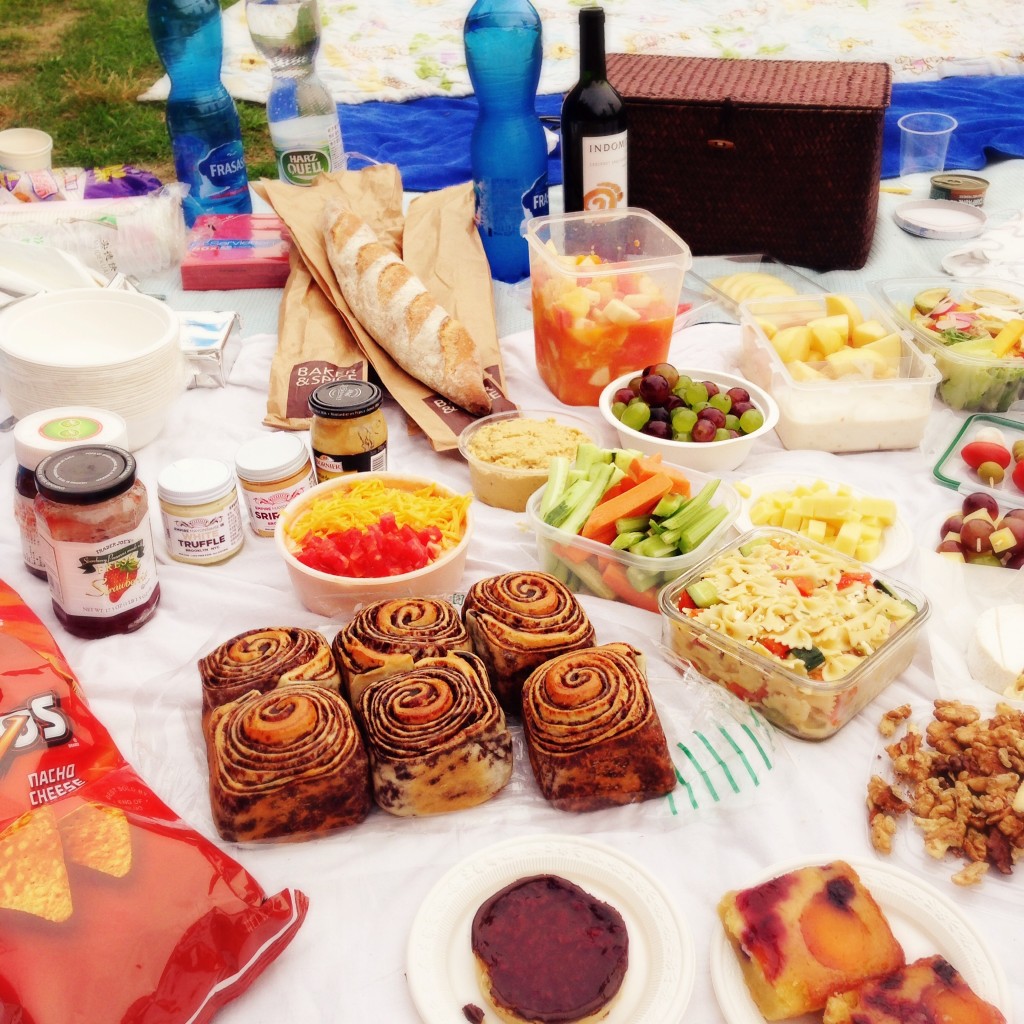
345, 399
51, 430
271, 457
85, 474
194, 481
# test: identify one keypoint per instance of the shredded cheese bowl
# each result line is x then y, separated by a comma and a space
807, 635
358, 501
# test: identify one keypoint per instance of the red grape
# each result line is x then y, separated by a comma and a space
703, 430
975, 534
979, 499
712, 387
738, 395
660, 429
654, 389
625, 395
951, 524
715, 416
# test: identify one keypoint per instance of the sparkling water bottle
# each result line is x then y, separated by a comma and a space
302, 116
201, 117
508, 149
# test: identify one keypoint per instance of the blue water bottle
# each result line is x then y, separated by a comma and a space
201, 117
508, 149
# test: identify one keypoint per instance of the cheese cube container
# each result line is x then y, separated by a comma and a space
787, 694
873, 395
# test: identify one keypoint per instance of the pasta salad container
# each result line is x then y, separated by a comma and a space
804, 633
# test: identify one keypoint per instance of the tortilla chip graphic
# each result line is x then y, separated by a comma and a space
33, 877
98, 836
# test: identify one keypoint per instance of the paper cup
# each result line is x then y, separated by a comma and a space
25, 149
924, 139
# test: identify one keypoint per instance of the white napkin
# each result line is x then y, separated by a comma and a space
998, 253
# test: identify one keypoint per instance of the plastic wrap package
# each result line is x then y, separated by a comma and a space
137, 235
111, 908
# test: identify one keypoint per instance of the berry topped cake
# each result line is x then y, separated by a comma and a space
806, 935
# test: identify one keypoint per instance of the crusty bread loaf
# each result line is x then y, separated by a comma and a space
401, 315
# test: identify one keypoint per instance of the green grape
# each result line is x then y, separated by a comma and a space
684, 436
696, 394
682, 384
751, 420
721, 401
732, 422
636, 415
683, 420
617, 409
721, 434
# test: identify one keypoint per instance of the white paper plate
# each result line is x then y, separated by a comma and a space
662, 965
897, 540
940, 218
922, 920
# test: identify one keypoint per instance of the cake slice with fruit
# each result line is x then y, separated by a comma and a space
930, 989
803, 936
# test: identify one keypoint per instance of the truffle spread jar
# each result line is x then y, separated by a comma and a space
199, 507
349, 433
272, 469
40, 434
93, 520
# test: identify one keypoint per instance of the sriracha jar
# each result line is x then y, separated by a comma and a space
96, 540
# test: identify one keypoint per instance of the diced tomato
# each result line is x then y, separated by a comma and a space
804, 584
684, 601
382, 549
847, 579
779, 649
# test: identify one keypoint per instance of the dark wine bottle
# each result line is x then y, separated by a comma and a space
594, 150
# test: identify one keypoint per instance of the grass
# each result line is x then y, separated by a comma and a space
74, 69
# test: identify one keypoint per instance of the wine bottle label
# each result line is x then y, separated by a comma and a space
604, 171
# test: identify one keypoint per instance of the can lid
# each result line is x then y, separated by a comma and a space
51, 430
194, 481
85, 474
271, 457
345, 399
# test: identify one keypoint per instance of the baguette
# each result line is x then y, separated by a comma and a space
401, 315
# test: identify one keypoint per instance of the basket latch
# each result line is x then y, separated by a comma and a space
722, 141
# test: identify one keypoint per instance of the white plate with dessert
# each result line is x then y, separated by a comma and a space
896, 542
923, 921
661, 962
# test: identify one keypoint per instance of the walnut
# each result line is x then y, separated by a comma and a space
882, 797
891, 720
883, 830
955, 712
972, 874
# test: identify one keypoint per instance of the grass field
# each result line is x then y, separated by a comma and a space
74, 69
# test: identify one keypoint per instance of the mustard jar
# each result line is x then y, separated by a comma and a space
348, 433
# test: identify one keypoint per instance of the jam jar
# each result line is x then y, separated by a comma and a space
348, 433
93, 520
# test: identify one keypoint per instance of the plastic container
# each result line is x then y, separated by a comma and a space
273, 469
951, 470
513, 466
803, 706
730, 280
200, 512
851, 413
972, 379
597, 318
579, 561
508, 150
711, 456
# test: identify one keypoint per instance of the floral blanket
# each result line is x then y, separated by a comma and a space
405, 49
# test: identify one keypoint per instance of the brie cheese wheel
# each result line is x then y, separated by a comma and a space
995, 653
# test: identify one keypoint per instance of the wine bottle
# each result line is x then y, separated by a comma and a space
594, 137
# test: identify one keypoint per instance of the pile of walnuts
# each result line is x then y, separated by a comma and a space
963, 783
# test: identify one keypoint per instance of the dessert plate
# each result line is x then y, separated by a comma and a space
662, 966
897, 540
923, 921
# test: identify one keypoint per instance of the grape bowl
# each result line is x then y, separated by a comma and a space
701, 419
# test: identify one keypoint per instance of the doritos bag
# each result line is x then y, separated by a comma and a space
112, 910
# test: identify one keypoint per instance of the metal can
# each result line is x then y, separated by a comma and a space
349, 433
93, 519
960, 188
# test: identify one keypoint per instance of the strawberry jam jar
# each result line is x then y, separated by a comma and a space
96, 540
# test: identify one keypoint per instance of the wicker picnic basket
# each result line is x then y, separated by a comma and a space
773, 156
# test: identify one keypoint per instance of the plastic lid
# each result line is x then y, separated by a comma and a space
940, 218
271, 457
52, 430
85, 474
345, 399
194, 481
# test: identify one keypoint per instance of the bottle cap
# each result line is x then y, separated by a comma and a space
345, 399
85, 474
52, 430
194, 481
271, 457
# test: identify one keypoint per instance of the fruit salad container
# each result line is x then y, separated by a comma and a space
605, 289
729, 281
592, 567
973, 329
803, 633
844, 377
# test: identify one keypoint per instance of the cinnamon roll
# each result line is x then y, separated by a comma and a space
261, 659
519, 620
436, 737
387, 636
286, 764
592, 732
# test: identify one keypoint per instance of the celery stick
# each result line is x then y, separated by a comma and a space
697, 532
669, 505
689, 512
630, 524
587, 454
592, 580
585, 504
627, 540
566, 502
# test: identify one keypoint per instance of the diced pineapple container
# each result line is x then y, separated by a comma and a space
843, 375
605, 289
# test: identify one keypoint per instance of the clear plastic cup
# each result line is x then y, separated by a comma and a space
924, 140
25, 149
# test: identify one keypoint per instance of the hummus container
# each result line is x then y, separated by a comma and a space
882, 402
509, 452
972, 378
581, 563
784, 686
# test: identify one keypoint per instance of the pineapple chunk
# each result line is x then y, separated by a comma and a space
860, 362
1007, 338
793, 343
578, 301
869, 330
836, 304
802, 371
827, 339
618, 313
838, 322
